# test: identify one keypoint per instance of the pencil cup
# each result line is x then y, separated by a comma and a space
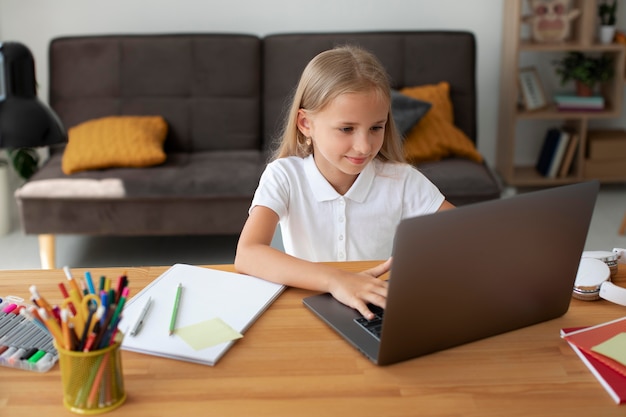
92, 381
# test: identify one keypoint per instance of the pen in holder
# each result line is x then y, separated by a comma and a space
92, 381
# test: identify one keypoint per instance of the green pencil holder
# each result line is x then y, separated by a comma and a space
92, 381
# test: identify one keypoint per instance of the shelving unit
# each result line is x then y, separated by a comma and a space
583, 39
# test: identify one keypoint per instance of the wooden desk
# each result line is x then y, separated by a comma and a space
291, 364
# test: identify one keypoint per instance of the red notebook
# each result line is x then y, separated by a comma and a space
589, 337
612, 381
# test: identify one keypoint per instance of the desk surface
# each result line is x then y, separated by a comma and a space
289, 363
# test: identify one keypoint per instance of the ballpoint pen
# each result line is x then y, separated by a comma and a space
142, 317
175, 311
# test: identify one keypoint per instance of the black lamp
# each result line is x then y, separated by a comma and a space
24, 120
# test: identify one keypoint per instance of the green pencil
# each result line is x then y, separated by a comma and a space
179, 290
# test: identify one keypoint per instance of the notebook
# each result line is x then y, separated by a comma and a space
215, 309
473, 272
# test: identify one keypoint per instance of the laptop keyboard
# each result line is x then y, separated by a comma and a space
375, 325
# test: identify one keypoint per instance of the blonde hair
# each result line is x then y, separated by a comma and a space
344, 69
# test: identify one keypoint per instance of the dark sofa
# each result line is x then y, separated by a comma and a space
223, 97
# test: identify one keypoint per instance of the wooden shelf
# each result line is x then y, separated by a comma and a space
552, 112
583, 38
527, 176
531, 46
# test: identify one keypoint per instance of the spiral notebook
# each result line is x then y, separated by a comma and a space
215, 309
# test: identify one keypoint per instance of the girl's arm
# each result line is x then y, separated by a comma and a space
446, 205
256, 257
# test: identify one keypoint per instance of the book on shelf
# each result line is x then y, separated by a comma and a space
568, 158
612, 381
552, 152
548, 149
574, 102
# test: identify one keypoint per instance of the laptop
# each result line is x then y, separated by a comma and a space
473, 272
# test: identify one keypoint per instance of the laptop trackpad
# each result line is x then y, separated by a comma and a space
342, 319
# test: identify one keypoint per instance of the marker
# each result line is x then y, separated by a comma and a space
40, 300
120, 304
9, 352
142, 317
16, 355
67, 295
35, 358
52, 325
65, 329
64, 292
89, 280
179, 290
73, 283
9, 308
87, 328
75, 300
122, 282
89, 342
29, 313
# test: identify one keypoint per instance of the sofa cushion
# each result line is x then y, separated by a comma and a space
436, 137
115, 141
407, 111
206, 85
411, 58
461, 180
199, 174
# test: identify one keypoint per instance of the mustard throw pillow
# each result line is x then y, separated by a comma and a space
115, 141
435, 136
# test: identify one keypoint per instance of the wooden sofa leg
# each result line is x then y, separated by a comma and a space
47, 251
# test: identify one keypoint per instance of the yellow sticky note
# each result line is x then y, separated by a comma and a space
207, 333
614, 348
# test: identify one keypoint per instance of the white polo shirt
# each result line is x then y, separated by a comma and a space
319, 224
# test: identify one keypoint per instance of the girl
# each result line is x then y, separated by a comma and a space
338, 184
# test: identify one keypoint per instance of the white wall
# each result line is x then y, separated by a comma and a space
36, 22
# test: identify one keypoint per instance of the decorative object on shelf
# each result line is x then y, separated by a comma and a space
585, 70
606, 11
572, 102
551, 20
531, 89
25, 122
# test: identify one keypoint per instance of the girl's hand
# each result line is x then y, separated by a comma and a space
356, 290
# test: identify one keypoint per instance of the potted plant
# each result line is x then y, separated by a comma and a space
606, 12
25, 162
585, 70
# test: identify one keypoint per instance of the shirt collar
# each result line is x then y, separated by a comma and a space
323, 191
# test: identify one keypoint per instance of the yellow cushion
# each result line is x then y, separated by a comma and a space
115, 141
435, 136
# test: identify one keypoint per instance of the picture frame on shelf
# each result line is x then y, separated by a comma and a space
531, 89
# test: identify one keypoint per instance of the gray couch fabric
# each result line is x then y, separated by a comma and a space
223, 97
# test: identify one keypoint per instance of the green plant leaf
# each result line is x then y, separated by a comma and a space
586, 69
25, 161
607, 12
